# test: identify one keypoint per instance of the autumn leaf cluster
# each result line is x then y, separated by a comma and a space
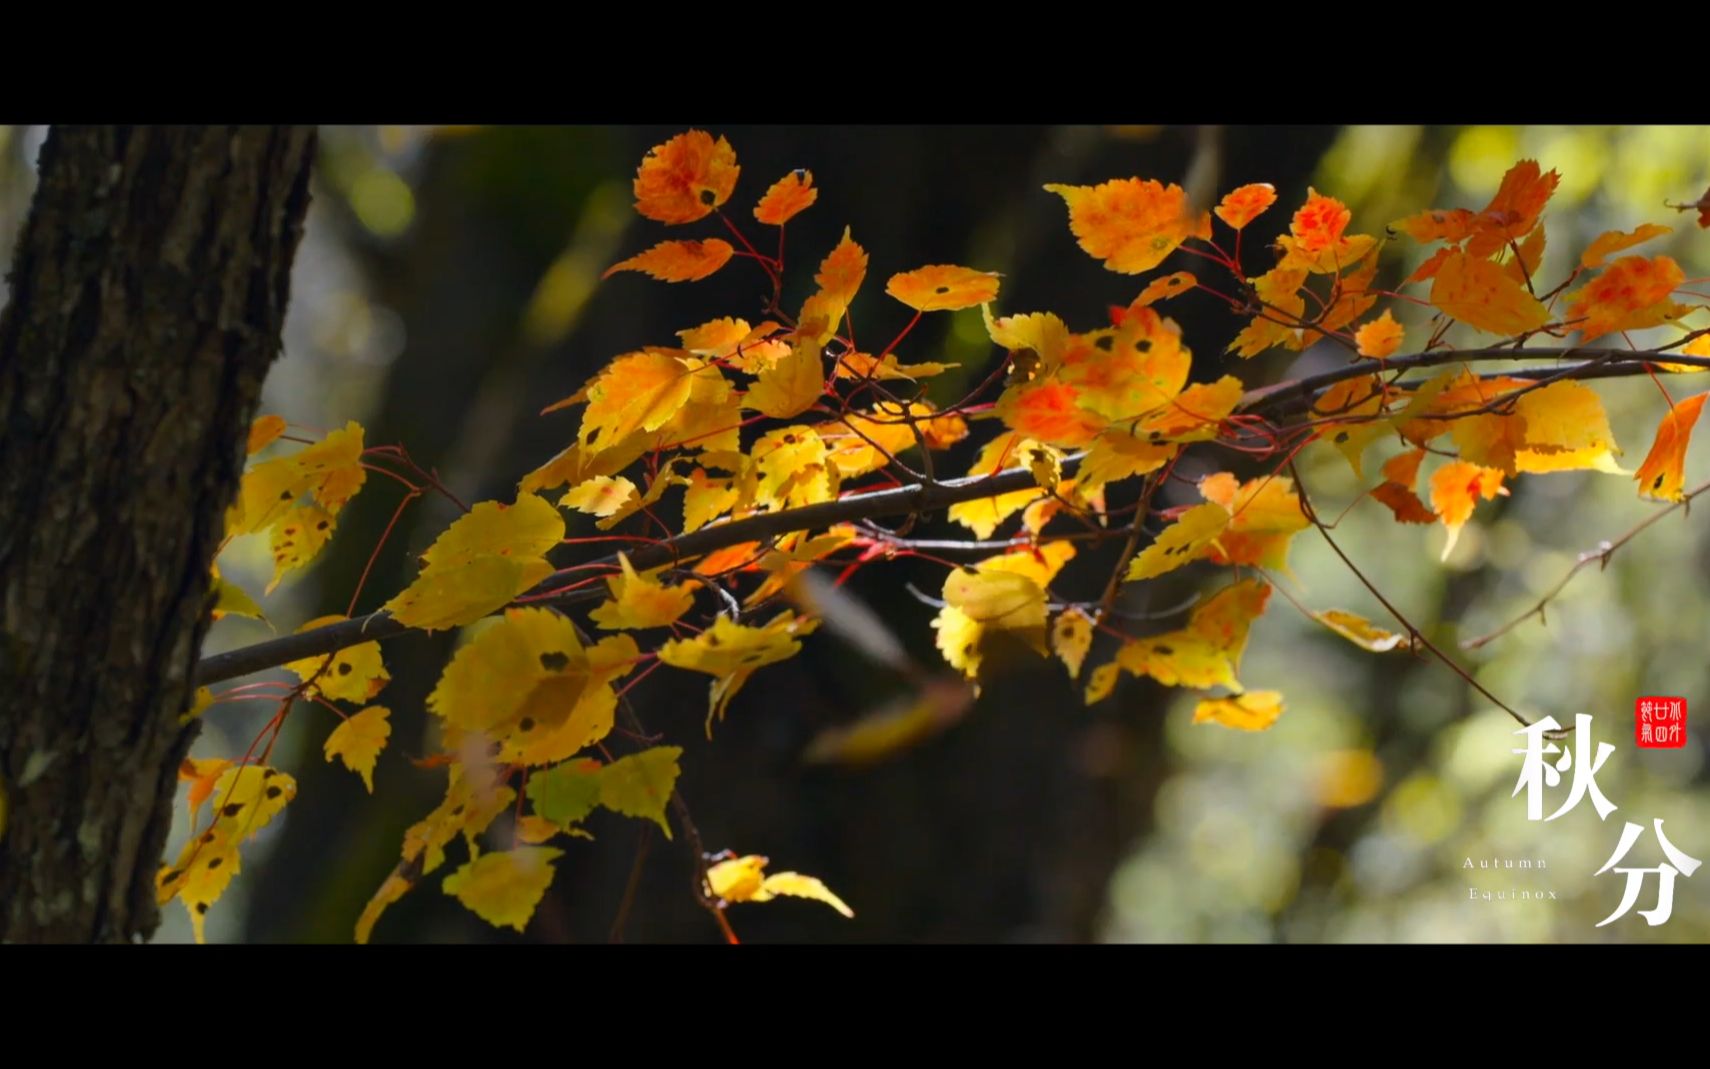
729, 422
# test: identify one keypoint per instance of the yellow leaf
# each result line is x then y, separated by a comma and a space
716, 338
865, 365
1264, 514
1206, 653
526, 529
204, 869
1071, 637
983, 515
678, 261
640, 602
1255, 710
359, 740
331, 470
535, 830
515, 680
796, 885
1379, 338
943, 288
1279, 289
353, 674
482, 561
640, 785
705, 499
1663, 474
1188, 539
1565, 422
790, 386
1115, 456
790, 469
446, 598
1360, 631
999, 600
503, 889
247, 798
1479, 294
865, 442
731, 652
639, 391
232, 600
738, 879
204, 698
600, 496
742, 879
1102, 682
298, 537
589, 721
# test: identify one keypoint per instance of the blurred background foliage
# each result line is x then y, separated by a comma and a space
448, 288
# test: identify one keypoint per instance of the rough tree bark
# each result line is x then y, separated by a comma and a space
148, 296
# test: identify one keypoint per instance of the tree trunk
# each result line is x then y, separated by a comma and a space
148, 296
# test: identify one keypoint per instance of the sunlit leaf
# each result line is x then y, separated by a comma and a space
787, 197
503, 889
359, 740
1256, 710
685, 178
1663, 474
678, 261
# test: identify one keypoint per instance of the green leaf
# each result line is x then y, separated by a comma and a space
564, 795
639, 785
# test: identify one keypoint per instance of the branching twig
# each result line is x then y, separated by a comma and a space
1417, 635
1601, 555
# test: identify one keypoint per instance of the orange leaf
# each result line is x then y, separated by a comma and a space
1319, 223
1404, 503
1129, 224
1662, 475
1241, 206
1514, 211
263, 431
678, 261
943, 288
1163, 289
1429, 268
1479, 294
1613, 241
1454, 226
685, 178
842, 271
1455, 490
1632, 293
788, 196
1379, 338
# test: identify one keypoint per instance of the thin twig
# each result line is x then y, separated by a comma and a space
1601, 555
